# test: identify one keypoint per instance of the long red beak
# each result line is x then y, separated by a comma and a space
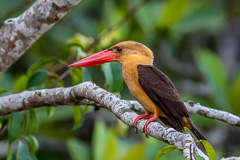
96, 59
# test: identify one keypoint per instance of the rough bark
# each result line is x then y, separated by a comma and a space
18, 34
120, 108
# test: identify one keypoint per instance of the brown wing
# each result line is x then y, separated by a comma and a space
162, 92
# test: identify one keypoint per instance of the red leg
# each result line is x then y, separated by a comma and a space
148, 121
146, 115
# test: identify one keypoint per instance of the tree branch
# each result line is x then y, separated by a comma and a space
120, 108
213, 113
201, 110
18, 34
231, 158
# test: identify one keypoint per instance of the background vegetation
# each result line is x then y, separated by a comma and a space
196, 43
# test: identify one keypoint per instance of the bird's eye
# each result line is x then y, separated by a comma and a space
119, 49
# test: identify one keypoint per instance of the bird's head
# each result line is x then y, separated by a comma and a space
123, 52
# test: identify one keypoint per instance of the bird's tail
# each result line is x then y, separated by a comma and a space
195, 131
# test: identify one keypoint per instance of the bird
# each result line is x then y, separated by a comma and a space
149, 86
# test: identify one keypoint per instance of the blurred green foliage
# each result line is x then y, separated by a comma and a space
184, 33
15, 126
210, 65
113, 76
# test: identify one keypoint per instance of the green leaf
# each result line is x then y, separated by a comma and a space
76, 76
15, 126
80, 53
104, 140
32, 157
210, 18
87, 109
51, 80
80, 40
39, 64
165, 150
214, 73
32, 143
3, 119
136, 151
113, 76
37, 79
10, 153
210, 150
86, 74
6, 81
50, 111
78, 120
197, 158
182, 158
110, 7
31, 121
77, 149
21, 84
145, 20
22, 152
233, 95
173, 12
111, 145
99, 140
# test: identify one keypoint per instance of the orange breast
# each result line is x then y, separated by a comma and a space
130, 76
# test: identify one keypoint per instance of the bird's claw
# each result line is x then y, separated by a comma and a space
145, 132
146, 115
146, 135
135, 129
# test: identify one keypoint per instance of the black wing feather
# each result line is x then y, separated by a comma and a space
163, 93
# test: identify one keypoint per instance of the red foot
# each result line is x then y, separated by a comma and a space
146, 115
148, 121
